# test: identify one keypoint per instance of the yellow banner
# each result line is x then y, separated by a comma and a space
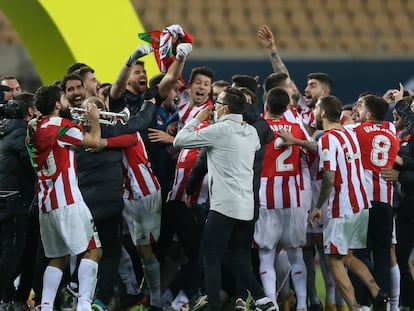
57, 33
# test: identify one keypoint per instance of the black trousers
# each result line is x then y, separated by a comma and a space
12, 241
109, 231
405, 243
376, 255
188, 224
224, 234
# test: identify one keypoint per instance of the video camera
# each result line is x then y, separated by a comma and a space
3, 88
13, 109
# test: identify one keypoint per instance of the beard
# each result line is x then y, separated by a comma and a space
65, 113
319, 124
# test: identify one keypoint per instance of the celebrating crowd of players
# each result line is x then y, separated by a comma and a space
162, 197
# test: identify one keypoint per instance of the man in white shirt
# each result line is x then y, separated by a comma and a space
231, 146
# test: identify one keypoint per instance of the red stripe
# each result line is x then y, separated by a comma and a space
140, 179
92, 243
181, 188
186, 114
335, 203
376, 188
67, 187
297, 195
44, 195
270, 199
53, 199
285, 194
333, 249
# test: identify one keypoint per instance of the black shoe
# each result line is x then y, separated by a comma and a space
379, 303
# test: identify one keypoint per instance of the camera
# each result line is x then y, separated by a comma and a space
13, 109
3, 88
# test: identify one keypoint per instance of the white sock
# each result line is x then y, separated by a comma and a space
151, 269
268, 273
51, 280
330, 288
87, 275
298, 274
179, 300
127, 275
395, 287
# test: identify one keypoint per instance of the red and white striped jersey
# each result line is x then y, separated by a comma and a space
380, 148
308, 117
51, 143
304, 178
185, 163
292, 115
339, 151
139, 179
187, 112
279, 187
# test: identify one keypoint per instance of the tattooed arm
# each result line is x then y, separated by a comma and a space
266, 37
326, 189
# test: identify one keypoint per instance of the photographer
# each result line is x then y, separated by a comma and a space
16, 174
13, 85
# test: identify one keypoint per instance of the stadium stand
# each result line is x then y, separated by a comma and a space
354, 26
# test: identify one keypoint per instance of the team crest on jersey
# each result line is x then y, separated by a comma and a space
325, 155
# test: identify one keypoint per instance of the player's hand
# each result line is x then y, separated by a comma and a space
158, 136
390, 174
187, 199
91, 111
394, 95
398, 94
183, 50
316, 214
140, 51
172, 128
265, 35
288, 139
204, 113
102, 144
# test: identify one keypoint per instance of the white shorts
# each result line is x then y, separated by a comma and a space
143, 218
280, 225
68, 230
345, 233
306, 199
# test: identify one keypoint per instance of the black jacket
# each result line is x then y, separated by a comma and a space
406, 177
100, 174
16, 171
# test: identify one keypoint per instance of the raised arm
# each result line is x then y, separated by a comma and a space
119, 86
175, 70
265, 35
